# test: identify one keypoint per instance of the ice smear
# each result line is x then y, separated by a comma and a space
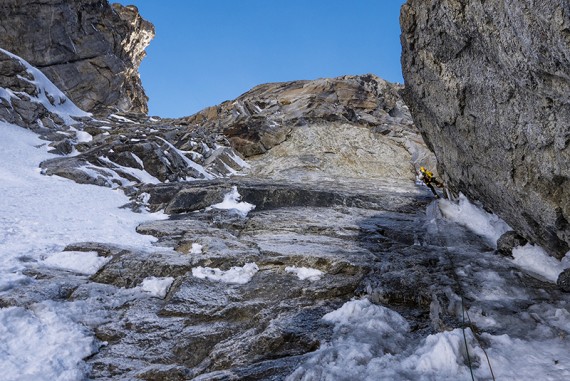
477, 220
232, 202
305, 273
82, 262
236, 275
534, 259
156, 286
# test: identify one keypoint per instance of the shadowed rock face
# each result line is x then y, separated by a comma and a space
88, 48
488, 85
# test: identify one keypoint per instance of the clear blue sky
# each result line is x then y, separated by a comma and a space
209, 51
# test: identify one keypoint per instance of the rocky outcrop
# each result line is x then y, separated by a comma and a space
88, 48
325, 129
30, 100
488, 84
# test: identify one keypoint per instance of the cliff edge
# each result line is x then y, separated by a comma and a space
87, 48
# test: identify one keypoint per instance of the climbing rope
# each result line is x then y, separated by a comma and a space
470, 325
465, 337
464, 312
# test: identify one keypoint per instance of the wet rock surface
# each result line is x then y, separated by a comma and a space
487, 84
395, 249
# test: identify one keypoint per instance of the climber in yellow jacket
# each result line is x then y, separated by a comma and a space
430, 180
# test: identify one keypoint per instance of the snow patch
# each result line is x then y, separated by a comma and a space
121, 119
83, 137
232, 202
41, 344
477, 220
372, 342
196, 248
156, 286
81, 262
236, 275
305, 273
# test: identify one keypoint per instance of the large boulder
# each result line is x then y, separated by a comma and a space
488, 85
87, 48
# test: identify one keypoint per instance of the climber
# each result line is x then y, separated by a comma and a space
430, 180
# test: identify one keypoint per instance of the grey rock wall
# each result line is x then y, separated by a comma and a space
88, 48
488, 85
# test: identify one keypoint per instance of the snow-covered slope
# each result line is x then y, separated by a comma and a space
39, 216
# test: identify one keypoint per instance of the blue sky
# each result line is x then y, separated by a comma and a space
209, 51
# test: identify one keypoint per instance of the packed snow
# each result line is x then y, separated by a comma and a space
156, 286
196, 248
81, 262
40, 216
83, 136
232, 201
42, 343
371, 342
535, 260
305, 273
235, 275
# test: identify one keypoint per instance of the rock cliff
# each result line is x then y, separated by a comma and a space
88, 48
488, 85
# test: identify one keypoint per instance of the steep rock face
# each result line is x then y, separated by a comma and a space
488, 84
88, 48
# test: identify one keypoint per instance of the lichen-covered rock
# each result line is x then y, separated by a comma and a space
264, 116
88, 48
488, 84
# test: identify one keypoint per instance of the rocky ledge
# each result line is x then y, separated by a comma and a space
488, 85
